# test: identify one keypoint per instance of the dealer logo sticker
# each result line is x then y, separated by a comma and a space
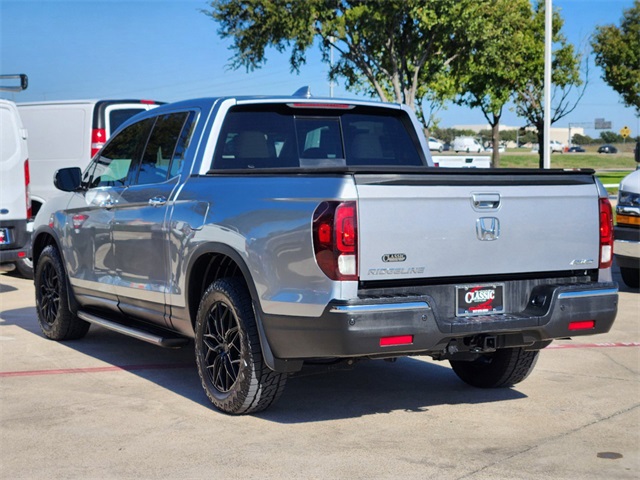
394, 257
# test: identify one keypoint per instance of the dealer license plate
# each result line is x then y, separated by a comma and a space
4, 236
479, 300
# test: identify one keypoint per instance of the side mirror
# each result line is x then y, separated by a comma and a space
68, 179
636, 152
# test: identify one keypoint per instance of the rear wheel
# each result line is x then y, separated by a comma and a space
228, 353
56, 320
502, 368
630, 276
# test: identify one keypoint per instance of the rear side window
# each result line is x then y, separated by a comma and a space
161, 148
277, 136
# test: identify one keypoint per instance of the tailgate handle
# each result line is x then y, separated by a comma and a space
486, 201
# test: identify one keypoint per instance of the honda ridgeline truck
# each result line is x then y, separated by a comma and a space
274, 231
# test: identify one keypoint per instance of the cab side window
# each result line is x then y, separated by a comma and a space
120, 158
166, 146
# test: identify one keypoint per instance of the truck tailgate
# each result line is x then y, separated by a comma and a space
468, 224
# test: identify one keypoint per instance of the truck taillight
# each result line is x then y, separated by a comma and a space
27, 188
98, 138
606, 233
335, 239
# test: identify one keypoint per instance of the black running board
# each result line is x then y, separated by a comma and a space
135, 332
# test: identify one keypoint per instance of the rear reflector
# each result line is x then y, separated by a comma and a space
397, 340
582, 325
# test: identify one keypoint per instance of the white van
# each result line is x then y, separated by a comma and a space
68, 133
15, 201
466, 144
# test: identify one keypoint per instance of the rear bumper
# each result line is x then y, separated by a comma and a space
19, 245
351, 329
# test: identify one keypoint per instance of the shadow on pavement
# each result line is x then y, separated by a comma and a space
318, 393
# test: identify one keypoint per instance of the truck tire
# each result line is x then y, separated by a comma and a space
56, 320
233, 373
503, 368
630, 276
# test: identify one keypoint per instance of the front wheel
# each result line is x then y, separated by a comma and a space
502, 368
56, 320
228, 353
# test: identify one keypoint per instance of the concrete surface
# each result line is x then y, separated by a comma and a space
109, 406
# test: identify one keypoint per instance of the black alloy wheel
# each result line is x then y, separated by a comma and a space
223, 348
232, 370
56, 319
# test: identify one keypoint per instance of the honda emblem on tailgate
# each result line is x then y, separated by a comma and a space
488, 228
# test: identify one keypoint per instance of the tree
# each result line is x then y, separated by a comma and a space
405, 51
611, 137
495, 71
617, 51
565, 77
578, 139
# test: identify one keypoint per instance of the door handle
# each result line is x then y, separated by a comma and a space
486, 201
157, 201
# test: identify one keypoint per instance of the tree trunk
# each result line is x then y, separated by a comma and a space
540, 133
495, 140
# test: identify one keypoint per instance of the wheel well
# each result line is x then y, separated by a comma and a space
206, 270
39, 244
35, 207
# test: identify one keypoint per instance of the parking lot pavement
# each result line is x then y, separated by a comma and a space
109, 406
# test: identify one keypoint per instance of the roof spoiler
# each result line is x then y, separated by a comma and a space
24, 82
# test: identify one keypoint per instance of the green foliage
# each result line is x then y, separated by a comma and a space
495, 70
406, 51
565, 75
611, 137
447, 135
617, 51
578, 139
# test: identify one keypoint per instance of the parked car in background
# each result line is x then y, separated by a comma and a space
435, 144
607, 149
466, 144
501, 148
15, 199
627, 230
68, 133
577, 150
556, 146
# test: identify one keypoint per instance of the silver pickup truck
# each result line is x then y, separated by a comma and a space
274, 231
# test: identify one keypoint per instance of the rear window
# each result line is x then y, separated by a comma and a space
118, 116
277, 136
